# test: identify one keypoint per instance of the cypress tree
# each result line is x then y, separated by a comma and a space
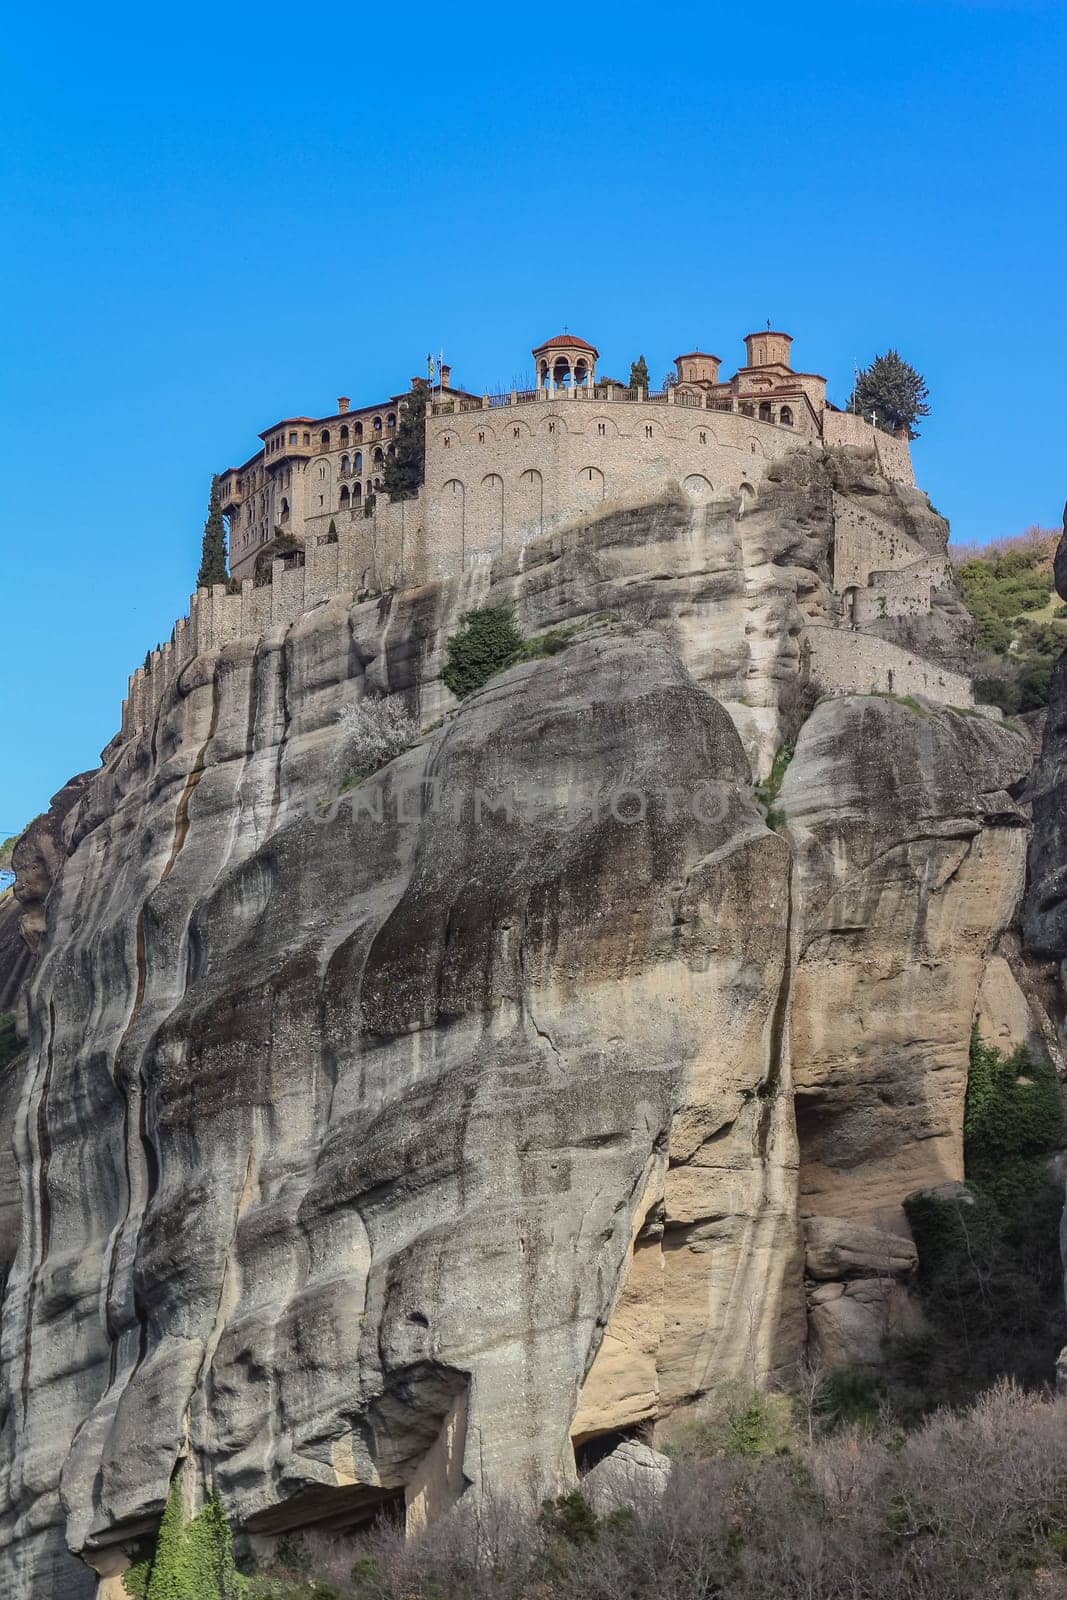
213, 550
404, 470
639, 374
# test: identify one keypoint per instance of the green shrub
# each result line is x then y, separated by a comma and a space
990, 1274
847, 1398
570, 1517
192, 1560
488, 640
768, 791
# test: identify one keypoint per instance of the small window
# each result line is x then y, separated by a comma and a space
600, 429
447, 442
325, 436
648, 430
320, 500
703, 438
552, 427
307, 438
481, 437
292, 437
785, 417
514, 433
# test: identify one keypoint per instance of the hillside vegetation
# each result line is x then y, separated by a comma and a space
970, 1505
1022, 626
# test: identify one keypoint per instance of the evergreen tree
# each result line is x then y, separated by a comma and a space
639, 374
404, 470
213, 551
893, 392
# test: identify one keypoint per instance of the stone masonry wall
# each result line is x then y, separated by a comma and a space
840, 662
496, 478
894, 455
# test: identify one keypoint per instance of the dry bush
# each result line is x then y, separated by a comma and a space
970, 1506
373, 731
1043, 540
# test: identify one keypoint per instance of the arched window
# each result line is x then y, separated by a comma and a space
357, 493
324, 438
346, 466
390, 420
344, 434
785, 417
379, 456
358, 430
284, 514
377, 424
357, 461
391, 449
765, 411
377, 483
344, 497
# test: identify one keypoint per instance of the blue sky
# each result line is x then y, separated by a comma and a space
216, 216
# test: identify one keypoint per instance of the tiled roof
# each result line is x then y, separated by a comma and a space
571, 340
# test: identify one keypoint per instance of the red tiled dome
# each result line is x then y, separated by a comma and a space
570, 341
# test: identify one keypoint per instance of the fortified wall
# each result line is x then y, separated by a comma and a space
502, 470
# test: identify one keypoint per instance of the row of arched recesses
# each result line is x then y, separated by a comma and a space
474, 519
352, 466
346, 436
765, 413
351, 499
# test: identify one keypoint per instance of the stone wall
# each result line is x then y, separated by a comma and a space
866, 542
498, 477
840, 662
368, 555
903, 593
893, 455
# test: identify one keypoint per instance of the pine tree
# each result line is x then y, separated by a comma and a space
891, 392
639, 374
404, 470
213, 551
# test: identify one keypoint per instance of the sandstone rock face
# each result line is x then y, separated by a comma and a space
910, 856
382, 1147
375, 1110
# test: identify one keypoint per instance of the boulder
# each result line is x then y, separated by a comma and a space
633, 1475
850, 1330
837, 1248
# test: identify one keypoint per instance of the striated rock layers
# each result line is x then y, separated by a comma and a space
388, 1145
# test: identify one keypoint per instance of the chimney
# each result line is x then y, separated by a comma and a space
446, 373
342, 404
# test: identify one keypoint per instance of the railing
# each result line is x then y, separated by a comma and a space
604, 392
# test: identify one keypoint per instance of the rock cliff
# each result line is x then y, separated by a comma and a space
385, 1142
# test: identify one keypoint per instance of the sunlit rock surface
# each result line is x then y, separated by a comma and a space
391, 1145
